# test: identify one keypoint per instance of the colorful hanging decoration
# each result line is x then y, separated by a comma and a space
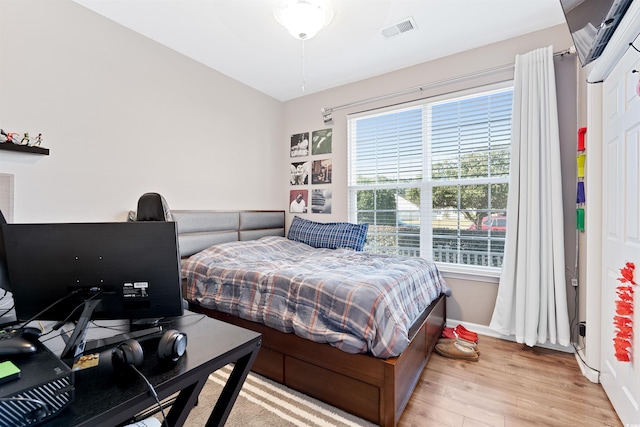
581, 133
580, 195
580, 219
622, 321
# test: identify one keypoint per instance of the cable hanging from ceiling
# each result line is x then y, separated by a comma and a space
304, 76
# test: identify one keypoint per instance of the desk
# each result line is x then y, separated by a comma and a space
106, 398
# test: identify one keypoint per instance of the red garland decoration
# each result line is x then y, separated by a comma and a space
624, 310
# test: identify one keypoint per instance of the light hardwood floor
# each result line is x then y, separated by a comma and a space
511, 385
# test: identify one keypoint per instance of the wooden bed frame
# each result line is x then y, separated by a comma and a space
375, 389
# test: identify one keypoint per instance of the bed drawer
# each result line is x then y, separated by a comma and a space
270, 364
347, 393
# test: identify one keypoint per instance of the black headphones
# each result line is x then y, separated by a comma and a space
171, 347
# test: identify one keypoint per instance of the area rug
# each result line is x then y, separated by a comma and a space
264, 403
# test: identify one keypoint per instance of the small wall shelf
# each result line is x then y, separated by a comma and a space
24, 148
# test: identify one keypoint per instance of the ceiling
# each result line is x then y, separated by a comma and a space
242, 39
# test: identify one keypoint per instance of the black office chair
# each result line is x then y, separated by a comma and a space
153, 207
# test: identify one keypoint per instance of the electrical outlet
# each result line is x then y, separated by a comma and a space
574, 283
582, 329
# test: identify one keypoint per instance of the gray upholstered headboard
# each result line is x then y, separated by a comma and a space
199, 229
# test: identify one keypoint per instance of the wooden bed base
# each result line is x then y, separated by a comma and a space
374, 389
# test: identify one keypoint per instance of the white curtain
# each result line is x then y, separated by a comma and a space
532, 301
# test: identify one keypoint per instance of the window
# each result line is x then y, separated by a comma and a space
431, 179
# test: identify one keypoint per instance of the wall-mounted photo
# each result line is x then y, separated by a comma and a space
321, 201
321, 172
321, 141
300, 172
298, 200
300, 144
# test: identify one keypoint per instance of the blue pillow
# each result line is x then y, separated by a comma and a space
330, 235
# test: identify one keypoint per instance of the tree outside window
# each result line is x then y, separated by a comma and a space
442, 164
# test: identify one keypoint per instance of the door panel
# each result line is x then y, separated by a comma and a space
621, 230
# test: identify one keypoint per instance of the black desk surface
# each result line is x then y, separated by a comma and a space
104, 396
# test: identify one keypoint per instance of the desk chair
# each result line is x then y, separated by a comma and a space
153, 207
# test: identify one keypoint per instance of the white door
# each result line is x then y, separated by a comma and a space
621, 228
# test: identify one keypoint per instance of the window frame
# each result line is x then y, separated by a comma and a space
462, 271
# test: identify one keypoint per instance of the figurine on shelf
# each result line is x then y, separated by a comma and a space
25, 139
3, 136
38, 140
12, 137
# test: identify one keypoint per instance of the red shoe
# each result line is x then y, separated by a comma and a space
462, 328
448, 333
466, 334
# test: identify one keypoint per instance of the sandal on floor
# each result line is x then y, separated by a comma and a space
455, 350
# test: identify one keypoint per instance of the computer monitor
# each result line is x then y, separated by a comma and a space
4, 275
112, 270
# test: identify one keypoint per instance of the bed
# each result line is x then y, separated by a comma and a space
369, 377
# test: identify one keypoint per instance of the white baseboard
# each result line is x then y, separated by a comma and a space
587, 372
485, 330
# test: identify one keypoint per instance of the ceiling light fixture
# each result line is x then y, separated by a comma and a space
303, 19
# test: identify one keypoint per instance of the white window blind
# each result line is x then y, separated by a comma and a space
431, 178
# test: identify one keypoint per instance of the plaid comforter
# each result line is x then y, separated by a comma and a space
356, 301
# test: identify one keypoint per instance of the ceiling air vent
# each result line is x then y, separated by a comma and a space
401, 27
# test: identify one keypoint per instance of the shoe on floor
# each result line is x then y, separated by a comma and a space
448, 332
460, 332
465, 334
455, 350
460, 329
460, 341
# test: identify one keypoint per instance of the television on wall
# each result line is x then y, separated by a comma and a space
592, 24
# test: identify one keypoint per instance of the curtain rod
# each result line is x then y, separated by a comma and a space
327, 111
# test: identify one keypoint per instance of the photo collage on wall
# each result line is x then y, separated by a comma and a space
312, 166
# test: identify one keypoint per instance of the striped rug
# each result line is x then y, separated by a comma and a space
263, 402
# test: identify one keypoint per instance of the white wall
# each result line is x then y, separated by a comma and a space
122, 116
